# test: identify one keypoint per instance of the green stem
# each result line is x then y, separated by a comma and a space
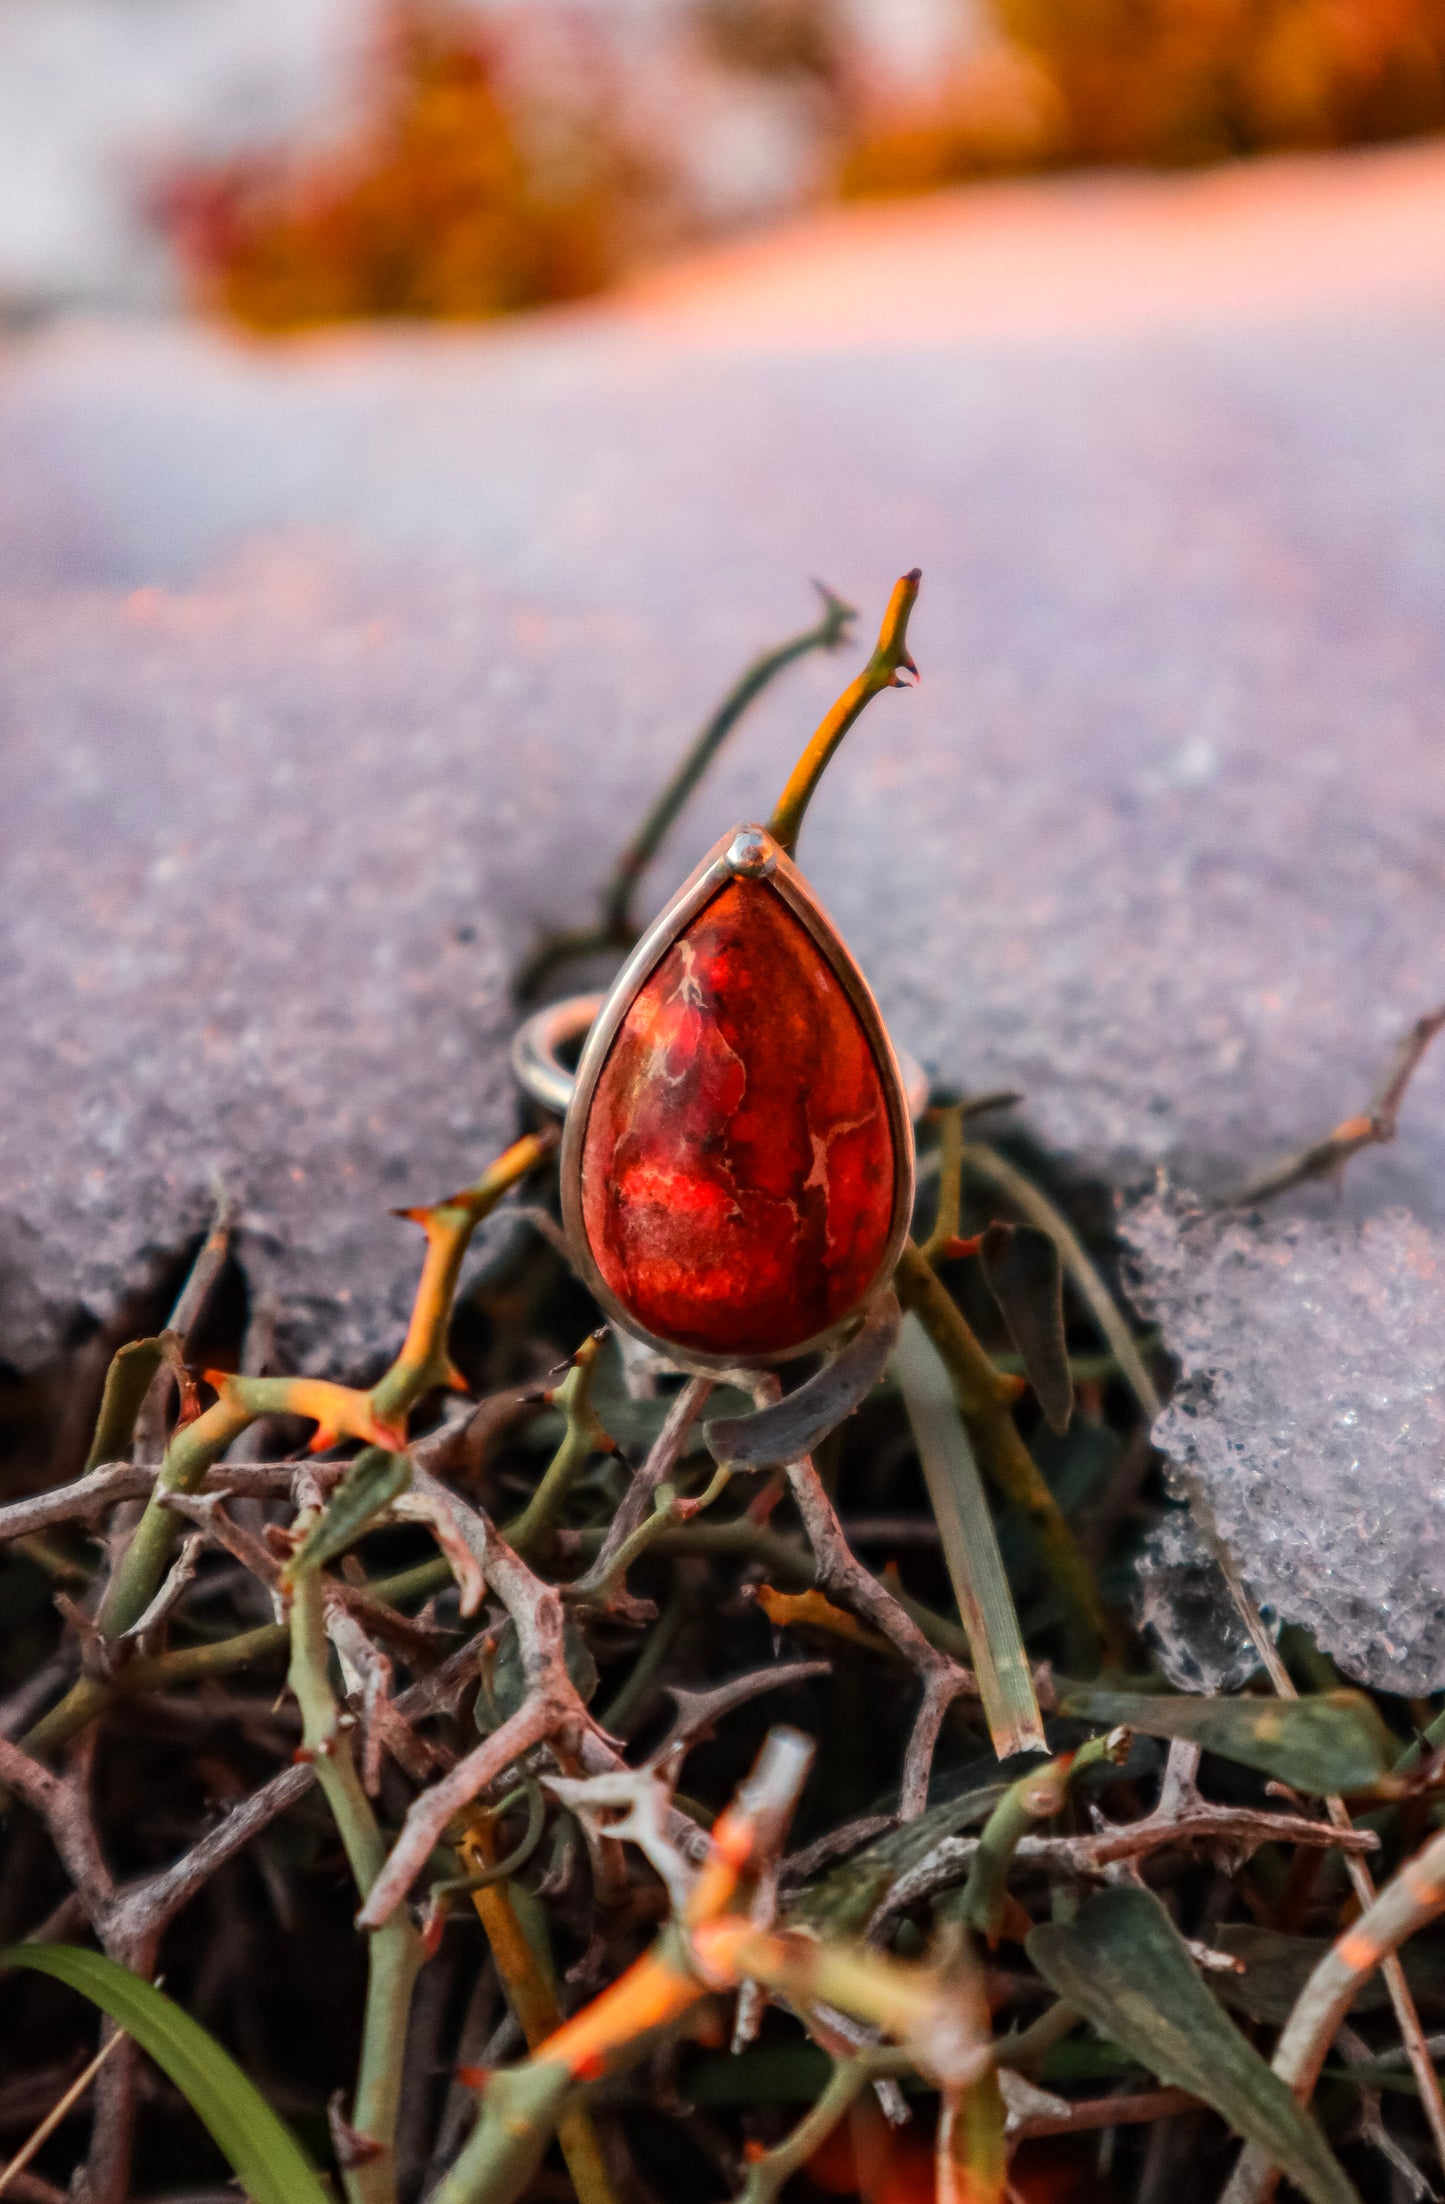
826, 634
980, 2144
583, 1437
970, 1546
617, 927
395, 1954
667, 1512
1036, 1797
187, 1664
656, 1647
514, 2126
769, 2174
194, 1449
881, 672
950, 1182
790, 1566
1029, 2047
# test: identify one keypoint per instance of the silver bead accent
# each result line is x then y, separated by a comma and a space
752, 852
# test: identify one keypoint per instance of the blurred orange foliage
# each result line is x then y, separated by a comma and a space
1166, 82
444, 204
865, 2159
460, 195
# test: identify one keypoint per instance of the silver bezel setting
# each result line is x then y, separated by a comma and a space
746, 853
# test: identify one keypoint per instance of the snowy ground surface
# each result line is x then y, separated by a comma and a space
331, 673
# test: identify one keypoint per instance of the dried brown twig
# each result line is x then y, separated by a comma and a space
1374, 1127
1237, 1830
842, 1576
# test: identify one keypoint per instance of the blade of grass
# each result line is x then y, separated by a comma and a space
268, 2162
970, 1546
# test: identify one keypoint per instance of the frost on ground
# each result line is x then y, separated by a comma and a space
223, 964
1310, 1416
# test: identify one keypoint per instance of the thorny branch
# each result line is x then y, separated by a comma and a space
843, 1576
1235, 1830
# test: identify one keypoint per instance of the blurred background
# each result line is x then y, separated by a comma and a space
289, 162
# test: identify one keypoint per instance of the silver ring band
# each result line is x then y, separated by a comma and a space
538, 1044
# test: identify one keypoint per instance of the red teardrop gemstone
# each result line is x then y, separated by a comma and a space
738, 1161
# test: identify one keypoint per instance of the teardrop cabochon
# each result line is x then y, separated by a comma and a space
737, 1164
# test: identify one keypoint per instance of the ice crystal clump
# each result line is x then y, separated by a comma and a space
1310, 1414
1183, 1604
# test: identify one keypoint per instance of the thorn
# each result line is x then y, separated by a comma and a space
352, 2148
190, 1407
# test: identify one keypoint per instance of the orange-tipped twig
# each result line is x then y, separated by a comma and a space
884, 670
842, 1577
1414, 1897
534, 2002
423, 1362
713, 1945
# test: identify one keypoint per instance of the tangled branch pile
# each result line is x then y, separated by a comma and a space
432, 1765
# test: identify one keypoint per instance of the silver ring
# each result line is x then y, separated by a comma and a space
538, 1044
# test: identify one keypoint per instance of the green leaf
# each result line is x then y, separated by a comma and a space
763, 2074
1332, 1741
267, 2160
1023, 1272
371, 1484
127, 1382
842, 1902
802, 1419
504, 1689
1277, 1967
1125, 1967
